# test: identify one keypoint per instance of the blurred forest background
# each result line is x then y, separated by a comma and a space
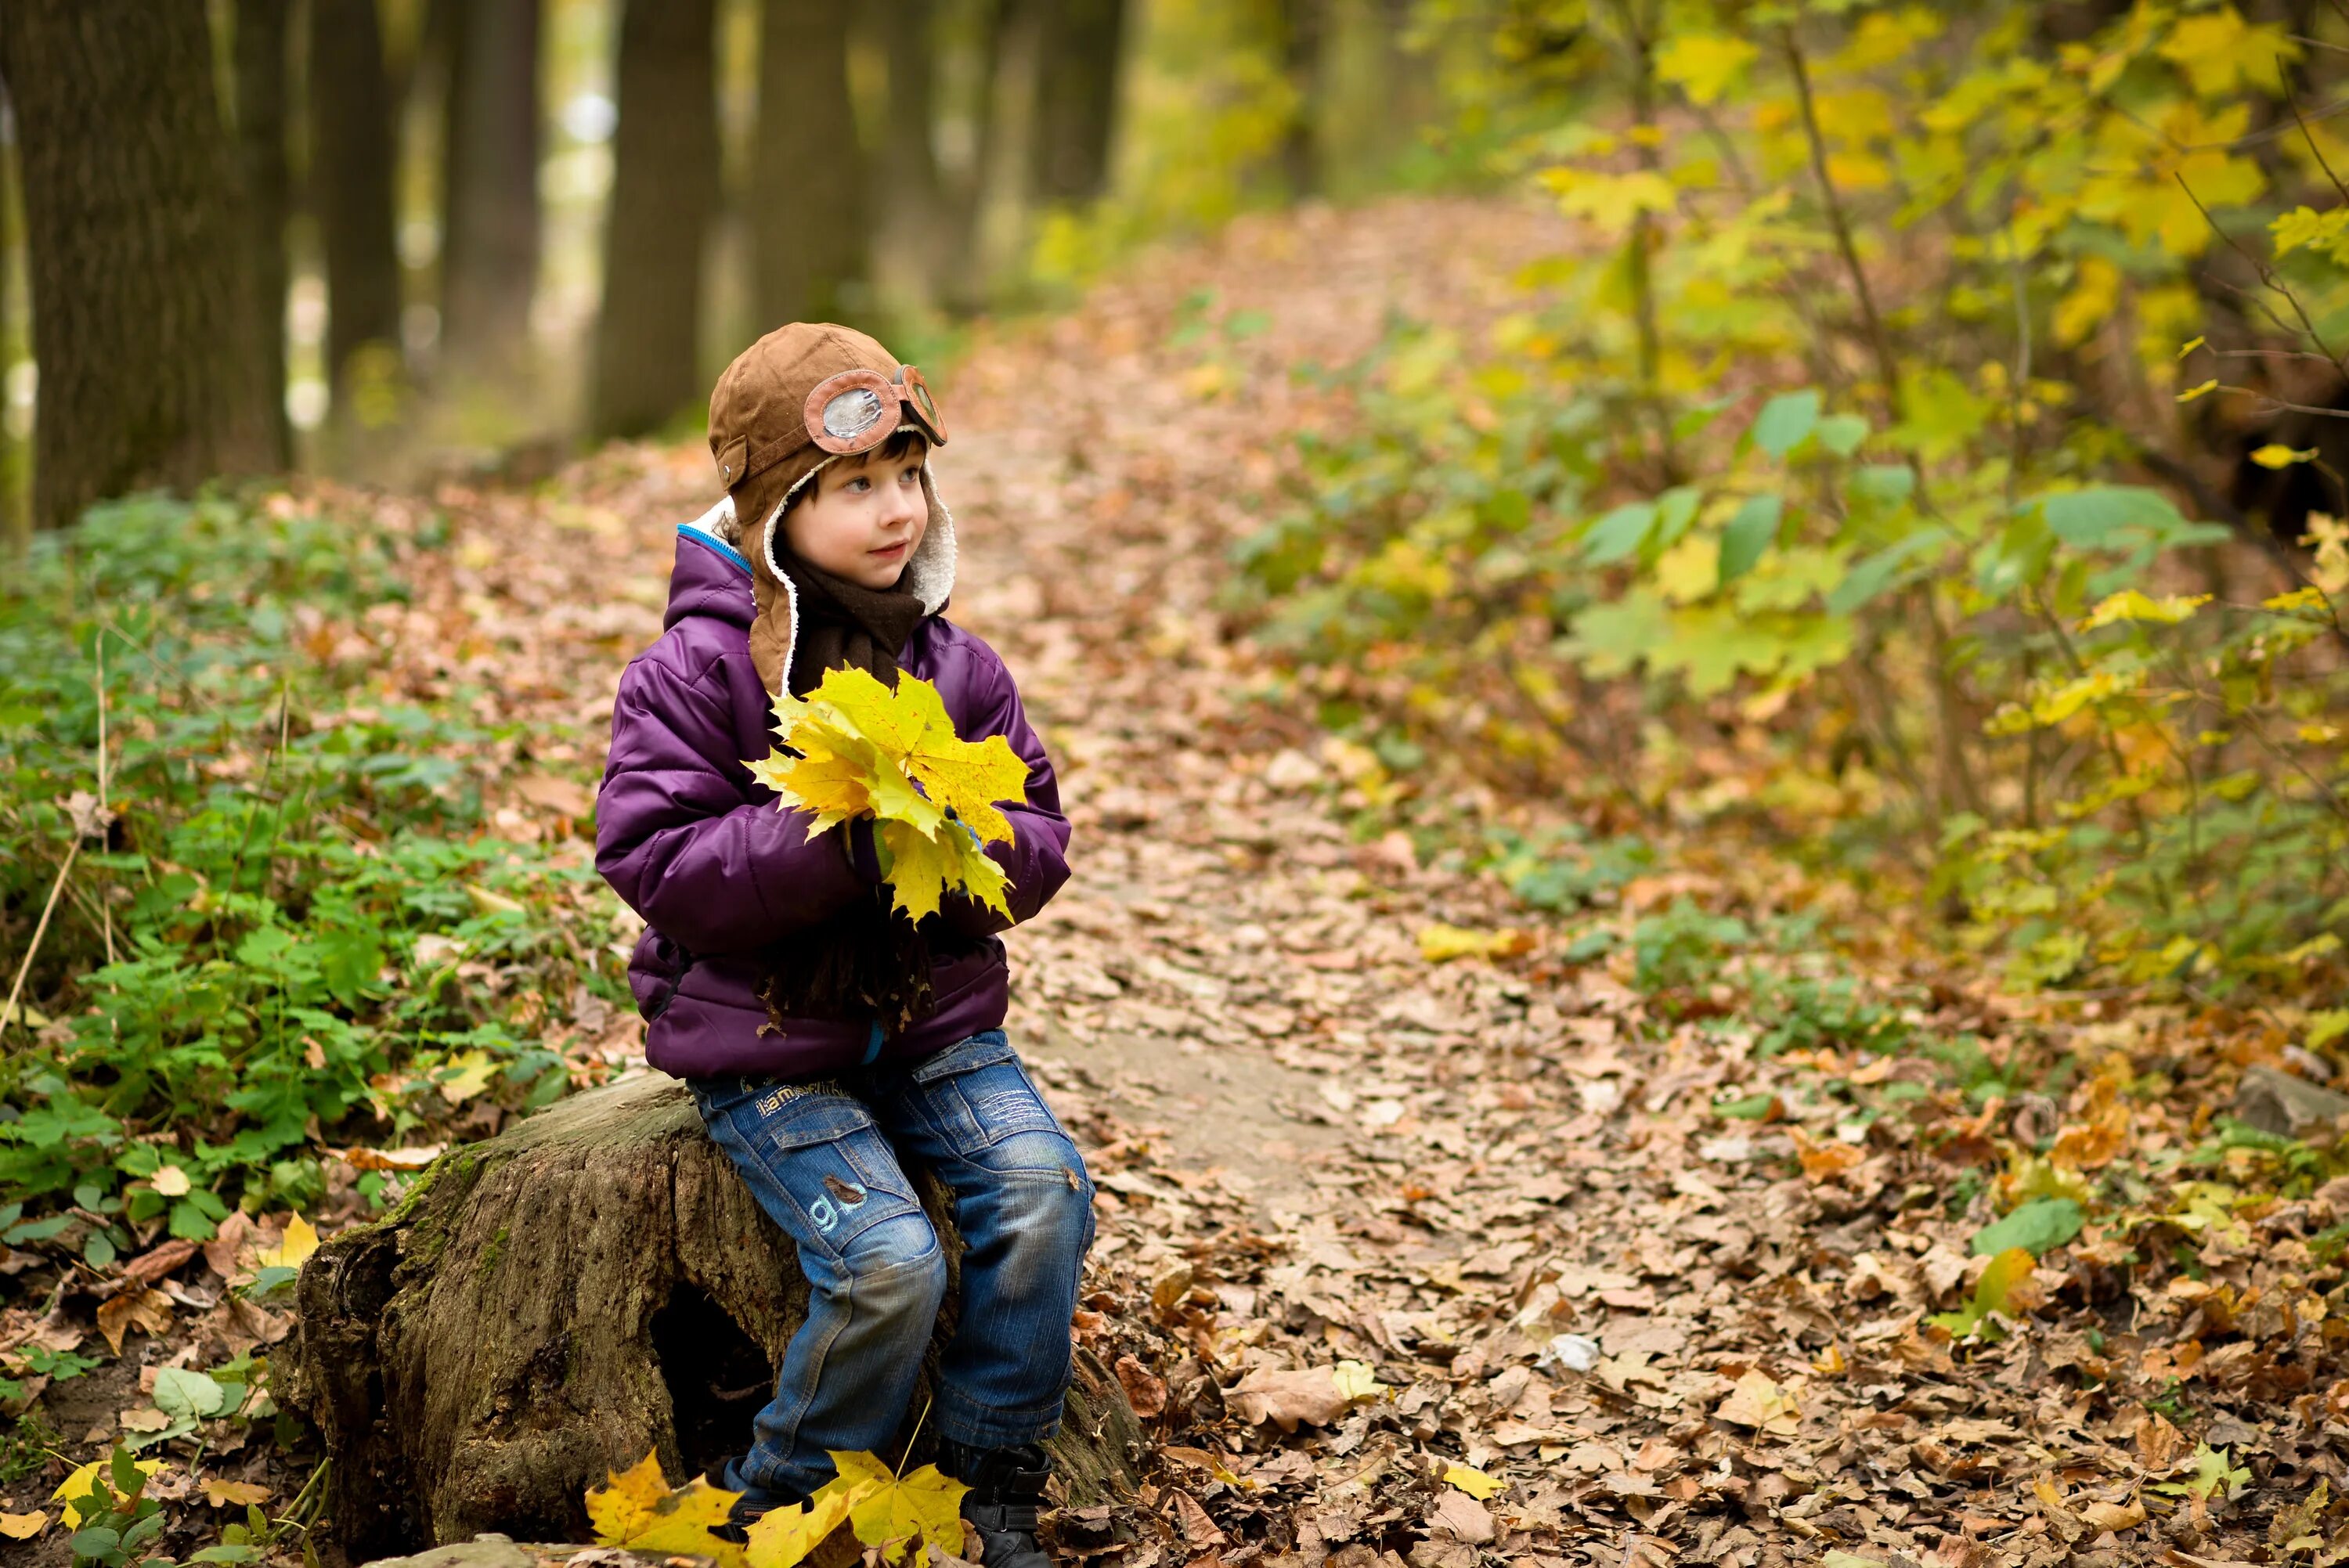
336, 234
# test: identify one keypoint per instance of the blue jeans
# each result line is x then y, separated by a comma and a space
822, 1159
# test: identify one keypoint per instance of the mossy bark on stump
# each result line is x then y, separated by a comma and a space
593, 1283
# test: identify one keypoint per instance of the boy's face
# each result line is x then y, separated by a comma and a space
865, 518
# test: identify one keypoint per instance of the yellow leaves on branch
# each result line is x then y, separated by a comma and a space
2220, 54
1610, 202
1704, 65
890, 1512
865, 751
2129, 605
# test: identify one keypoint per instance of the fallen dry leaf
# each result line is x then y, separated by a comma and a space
1286, 1400
1754, 1400
147, 1309
1145, 1393
156, 1261
1469, 1521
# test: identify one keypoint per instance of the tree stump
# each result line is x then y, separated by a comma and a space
548, 1305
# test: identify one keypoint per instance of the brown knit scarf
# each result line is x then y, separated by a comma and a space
869, 962
844, 626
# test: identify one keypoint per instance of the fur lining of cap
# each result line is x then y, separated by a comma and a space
930, 576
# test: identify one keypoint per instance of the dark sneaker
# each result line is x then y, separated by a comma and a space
753, 1504
1007, 1494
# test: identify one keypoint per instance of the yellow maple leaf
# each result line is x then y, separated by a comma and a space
966, 777
923, 866
2217, 51
1474, 1482
78, 1484
784, 1536
1610, 200
638, 1510
890, 1510
474, 1069
866, 750
1704, 65
292, 1249
834, 784
23, 1526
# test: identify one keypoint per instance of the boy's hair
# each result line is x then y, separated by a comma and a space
899, 443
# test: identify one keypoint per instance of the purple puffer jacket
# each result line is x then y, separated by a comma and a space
697, 847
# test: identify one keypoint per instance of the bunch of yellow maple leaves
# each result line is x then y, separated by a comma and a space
855, 749
885, 1509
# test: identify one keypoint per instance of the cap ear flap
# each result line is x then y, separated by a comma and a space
734, 460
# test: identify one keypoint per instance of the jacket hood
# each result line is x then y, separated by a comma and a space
716, 549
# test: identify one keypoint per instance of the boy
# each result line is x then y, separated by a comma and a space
821, 1034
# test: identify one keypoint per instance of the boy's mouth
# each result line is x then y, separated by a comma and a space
890, 552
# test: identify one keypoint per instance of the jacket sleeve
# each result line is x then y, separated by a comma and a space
679, 843
1036, 859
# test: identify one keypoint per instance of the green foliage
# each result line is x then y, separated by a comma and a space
1684, 947
110, 1515
292, 929
1799, 1012
1564, 870
1794, 445
2038, 1226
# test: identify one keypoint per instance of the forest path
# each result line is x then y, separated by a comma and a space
1500, 1190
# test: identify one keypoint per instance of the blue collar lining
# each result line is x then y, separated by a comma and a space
711, 542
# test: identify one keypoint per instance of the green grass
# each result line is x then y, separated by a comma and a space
237, 972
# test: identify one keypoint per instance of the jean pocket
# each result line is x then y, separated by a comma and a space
828, 1157
978, 1094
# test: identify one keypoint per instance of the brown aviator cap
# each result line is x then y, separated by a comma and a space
758, 410
758, 432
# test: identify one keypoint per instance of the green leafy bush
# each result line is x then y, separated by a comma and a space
288, 926
1834, 474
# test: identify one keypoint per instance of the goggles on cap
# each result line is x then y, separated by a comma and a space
857, 410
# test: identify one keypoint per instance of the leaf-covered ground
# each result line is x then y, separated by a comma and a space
1426, 1234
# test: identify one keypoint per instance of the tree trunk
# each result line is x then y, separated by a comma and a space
807, 174
15, 512
591, 1285
1076, 99
664, 199
962, 270
261, 35
910, 238
1301, 30
354, 165
142, 314
489, 191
